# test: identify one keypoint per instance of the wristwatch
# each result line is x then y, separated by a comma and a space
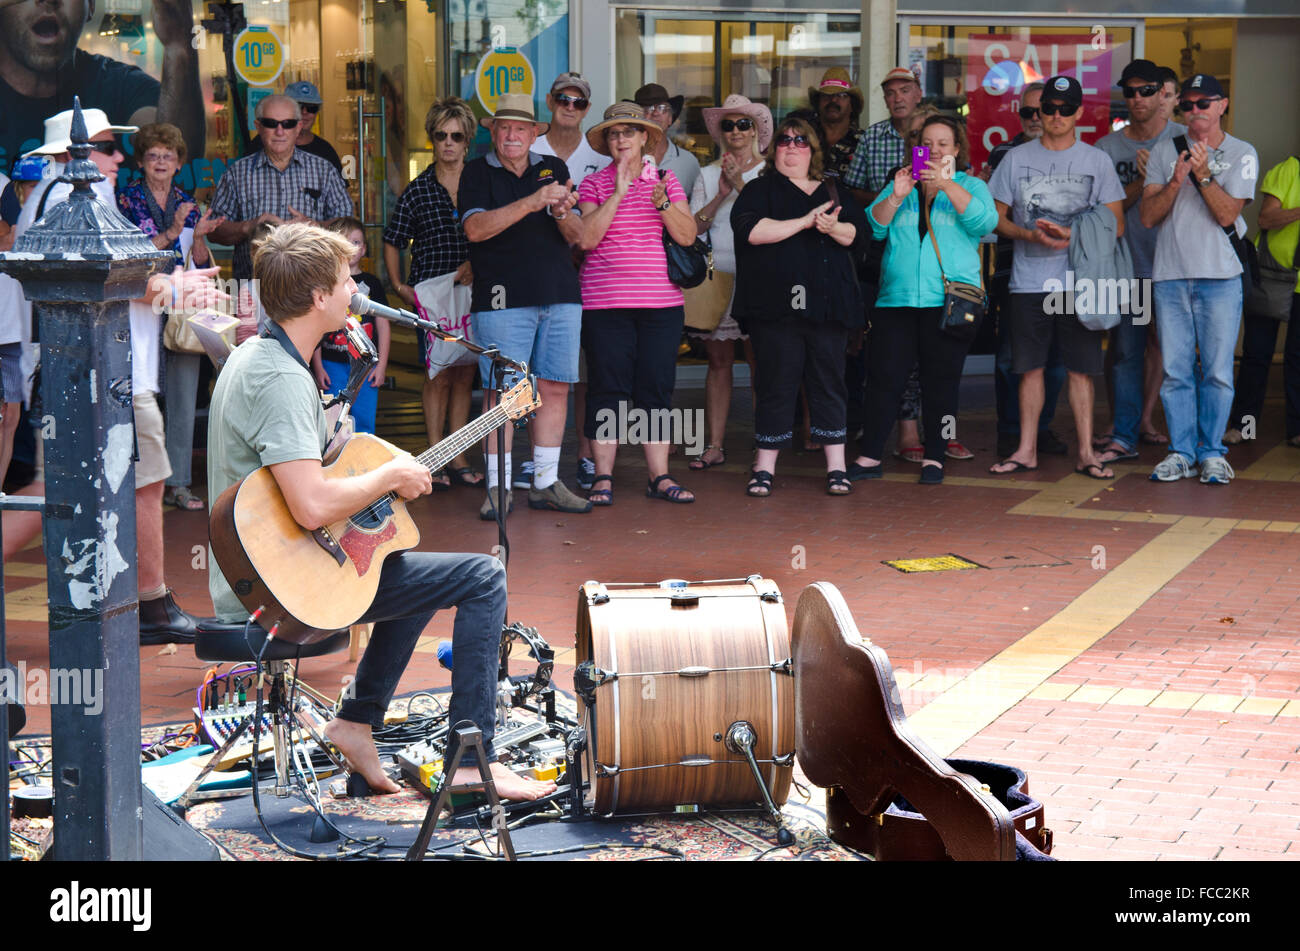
665, 206
1206, 180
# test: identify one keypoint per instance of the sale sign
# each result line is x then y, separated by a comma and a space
999, 66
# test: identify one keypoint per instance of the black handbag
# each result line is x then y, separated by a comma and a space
689, 265
964, 305
1272, 294
1245, 251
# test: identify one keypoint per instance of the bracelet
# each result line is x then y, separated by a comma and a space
704, 219
560, 217
894, 200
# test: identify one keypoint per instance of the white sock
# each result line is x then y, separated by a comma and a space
491, 465
546, 466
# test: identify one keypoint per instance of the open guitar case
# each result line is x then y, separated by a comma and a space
887, 792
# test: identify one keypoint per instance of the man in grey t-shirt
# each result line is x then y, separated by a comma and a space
1134, 355
1039, 189
1195, 188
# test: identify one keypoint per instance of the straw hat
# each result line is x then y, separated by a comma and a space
836, 79
624, 112
515, 106
736, 103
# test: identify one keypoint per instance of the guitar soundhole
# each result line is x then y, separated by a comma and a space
372, 518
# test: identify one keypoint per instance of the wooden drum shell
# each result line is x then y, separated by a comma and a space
652, 716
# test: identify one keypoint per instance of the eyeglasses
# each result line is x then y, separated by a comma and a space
744, 125
108, 148
158, 156
1146, 92
441, 136
578, 102
1187, 105
1028, 112
282, 123
1052, 108
620, 133
793, 141
311, 107
661, 107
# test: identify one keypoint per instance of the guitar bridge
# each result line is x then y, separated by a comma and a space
331, 546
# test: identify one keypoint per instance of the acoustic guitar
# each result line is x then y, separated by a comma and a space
313, 584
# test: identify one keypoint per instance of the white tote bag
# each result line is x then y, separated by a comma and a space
442, 301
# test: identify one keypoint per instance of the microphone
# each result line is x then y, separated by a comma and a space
362, 305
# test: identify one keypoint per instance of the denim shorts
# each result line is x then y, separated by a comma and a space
546, 337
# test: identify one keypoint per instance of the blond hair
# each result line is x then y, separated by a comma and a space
294, 261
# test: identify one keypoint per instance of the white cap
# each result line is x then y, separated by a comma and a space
58, 130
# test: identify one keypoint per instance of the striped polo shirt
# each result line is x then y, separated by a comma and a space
628, 268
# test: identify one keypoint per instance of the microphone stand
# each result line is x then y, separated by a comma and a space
499, 366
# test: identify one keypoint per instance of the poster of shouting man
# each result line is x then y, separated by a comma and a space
42, 68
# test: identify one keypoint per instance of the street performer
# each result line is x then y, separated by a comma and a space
266, 411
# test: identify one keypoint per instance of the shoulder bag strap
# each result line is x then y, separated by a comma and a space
1180, 144
929, 227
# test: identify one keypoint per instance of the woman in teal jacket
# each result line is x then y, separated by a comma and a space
905, 322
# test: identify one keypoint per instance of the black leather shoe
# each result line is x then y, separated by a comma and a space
163, 622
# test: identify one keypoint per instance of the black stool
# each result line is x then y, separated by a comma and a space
240, 643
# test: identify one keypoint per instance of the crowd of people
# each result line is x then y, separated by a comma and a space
839, 254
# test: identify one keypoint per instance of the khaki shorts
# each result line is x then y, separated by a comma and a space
152, 444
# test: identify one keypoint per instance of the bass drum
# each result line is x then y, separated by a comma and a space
669, 669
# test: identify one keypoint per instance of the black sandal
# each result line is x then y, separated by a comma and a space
601, 496
674, 493
760, 484
837, 482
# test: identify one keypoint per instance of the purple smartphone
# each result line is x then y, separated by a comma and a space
920, 159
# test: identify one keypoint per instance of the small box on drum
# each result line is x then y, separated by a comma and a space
677, 680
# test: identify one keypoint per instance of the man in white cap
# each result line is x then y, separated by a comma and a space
161, 619
569, 100
518, 211
883, 146
309, 102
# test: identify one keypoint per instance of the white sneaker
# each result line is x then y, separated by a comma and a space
524, 476
1216, 471
1172, 468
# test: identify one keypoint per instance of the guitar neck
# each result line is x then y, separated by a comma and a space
435, 457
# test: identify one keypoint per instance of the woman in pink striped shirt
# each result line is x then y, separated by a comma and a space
632, 314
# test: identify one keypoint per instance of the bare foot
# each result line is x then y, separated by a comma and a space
509, 784
1012, 464
358, 748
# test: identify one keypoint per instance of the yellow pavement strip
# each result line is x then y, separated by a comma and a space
1166, 699
1279, 464
977, 700
28, 604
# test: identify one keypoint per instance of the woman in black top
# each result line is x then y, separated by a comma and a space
797, 297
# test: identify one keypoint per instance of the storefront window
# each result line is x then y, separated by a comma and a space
772, 58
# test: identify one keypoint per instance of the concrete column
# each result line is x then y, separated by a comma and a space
879, 54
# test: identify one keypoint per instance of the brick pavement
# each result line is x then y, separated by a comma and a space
1153, 699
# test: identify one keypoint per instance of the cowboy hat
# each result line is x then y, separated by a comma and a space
58, 130
652, 94
515, 105
836, 79
623, 112
736, 103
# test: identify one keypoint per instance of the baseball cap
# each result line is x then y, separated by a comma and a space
29, 169
303, 91
1202, 82
571, 81
899, 72
58, 130
1142, 69
1063, 89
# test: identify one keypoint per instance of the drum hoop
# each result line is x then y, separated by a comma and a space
715, 762
618, 719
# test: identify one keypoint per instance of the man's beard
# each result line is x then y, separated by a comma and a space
20, 43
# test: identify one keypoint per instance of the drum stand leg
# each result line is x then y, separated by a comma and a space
741, 739
465, 735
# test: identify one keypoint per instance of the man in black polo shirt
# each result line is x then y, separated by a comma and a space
519, 217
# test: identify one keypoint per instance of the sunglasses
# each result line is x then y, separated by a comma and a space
1187, 105
282, 123
793, 141
744, 125
1146, 92
441, 136
1052, 108
620, 133
1028, 112
311, 107
578, 102
108, 148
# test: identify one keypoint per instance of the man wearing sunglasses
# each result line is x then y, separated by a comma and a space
1136, 371
1040, 188
1194, 194
278, 184
309, 102
569, 100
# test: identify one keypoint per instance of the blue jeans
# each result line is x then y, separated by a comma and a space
367, 401
546, 338
1198, 315
1128, 374
412, 586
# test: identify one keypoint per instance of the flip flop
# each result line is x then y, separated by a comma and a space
1118, 455
440, 486
1017, 467
462, 475
1153, 439
1101, 442
699, 462
1087, 470
910, 453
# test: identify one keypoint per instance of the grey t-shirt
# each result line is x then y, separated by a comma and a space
683, 164
1192, 245
1038, 182
1123, 152
265, 409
